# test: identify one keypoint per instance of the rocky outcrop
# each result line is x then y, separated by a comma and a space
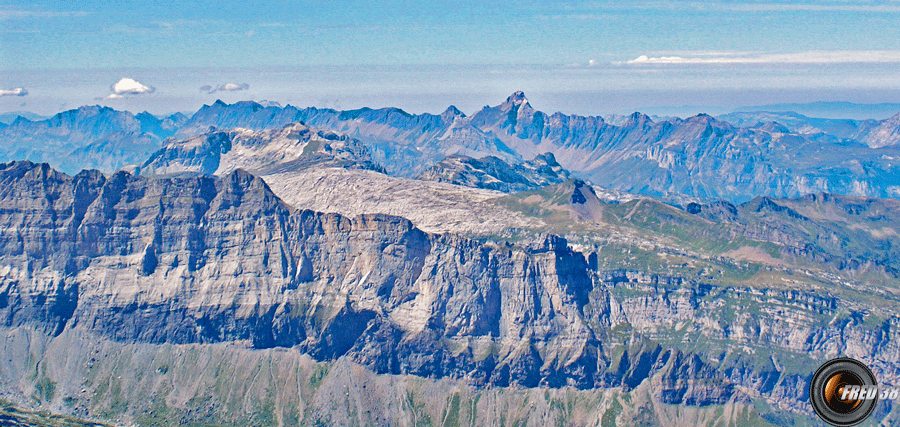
493, 173
291, 148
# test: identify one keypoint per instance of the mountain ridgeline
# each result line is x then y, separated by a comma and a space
779, 155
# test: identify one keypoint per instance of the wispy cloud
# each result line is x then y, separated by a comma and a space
16, 91
156, 27
126, 86
7, 13
810, 57
584, 11
227, 87
781, 7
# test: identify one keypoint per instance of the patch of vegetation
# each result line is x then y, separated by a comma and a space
10, 414
319, 374
419, 415
451, 413
609, 417
45, 389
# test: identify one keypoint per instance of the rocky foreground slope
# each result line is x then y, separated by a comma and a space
171, 299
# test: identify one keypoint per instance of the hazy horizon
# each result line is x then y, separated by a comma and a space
589, 58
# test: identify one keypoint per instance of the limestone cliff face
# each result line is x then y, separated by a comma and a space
222, 260
201, 259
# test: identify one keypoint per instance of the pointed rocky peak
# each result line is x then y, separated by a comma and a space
146, 116
452, 112
547, 158
178, 118
581, 192
701, 118
516, 99
219, 103
637, 119
20, 120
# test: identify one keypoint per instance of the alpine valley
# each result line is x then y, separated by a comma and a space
259, 265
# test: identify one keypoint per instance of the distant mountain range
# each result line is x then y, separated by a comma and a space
7, 118
832, 110
88, 137
736, 157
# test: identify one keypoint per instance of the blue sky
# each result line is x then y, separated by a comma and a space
578, 57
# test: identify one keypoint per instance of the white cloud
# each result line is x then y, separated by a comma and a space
227, 87
127, 86
592, 62
811, 57
16, 91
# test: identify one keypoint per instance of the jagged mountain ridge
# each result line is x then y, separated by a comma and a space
678, 156
698, 156
88, 137
404, 143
